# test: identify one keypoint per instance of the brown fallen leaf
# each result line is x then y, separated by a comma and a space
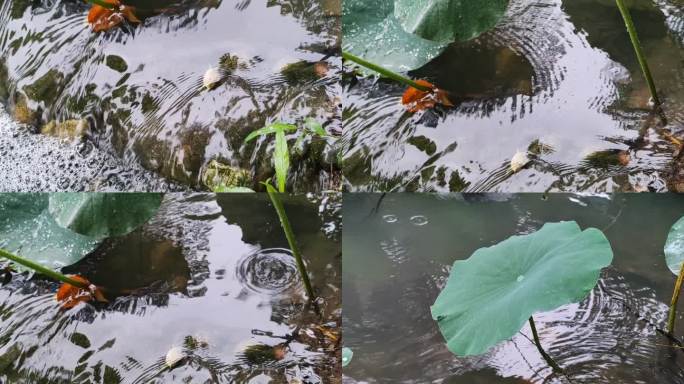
279, 352
328, 333
103, 19
69, 296
321, 69
416, 100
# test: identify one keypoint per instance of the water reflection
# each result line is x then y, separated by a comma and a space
556, 80
610, 337
178, 285
136, 91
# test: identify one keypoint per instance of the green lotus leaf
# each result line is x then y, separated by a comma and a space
403, 35
489, 296
449, 20
347, 355
372, 32
674, 247
101, 215
28, 230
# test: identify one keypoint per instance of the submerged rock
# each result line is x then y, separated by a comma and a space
608, 158
70, 129
116, 63
303, 71
46, 89
260, 354
22, 113
220, 177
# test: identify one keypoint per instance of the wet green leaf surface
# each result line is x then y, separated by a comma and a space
347, 355
372, 32
674, 247
490, 296
28, 229
449, 20
402, 35
101, 215
282, 159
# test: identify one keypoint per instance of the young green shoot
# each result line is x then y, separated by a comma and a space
281, 153
41, 269
385, 72
285, 223
639, 51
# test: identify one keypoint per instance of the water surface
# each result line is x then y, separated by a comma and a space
139, 87
204, 275
398, 251
555, 79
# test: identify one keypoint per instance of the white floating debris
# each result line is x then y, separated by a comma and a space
174, 356
211, 78
519, 161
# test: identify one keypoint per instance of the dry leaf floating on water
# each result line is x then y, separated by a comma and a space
70, 296
416, 100
103, 19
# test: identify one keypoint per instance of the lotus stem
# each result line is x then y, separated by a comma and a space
549, 359
673, 303
41, 269
638, 50
385, 72
285, 223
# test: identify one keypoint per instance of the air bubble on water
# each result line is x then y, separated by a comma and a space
520, 278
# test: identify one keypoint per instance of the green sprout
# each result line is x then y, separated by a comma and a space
281, 153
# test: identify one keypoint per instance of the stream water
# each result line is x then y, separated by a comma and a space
33, 162
137, 90
398, 251
205, 274
557, 80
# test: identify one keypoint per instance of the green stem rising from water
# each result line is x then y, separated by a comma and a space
285, 223
673, 303
638, 50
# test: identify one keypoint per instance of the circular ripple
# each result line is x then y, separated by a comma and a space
418, 220
268, 271
390, 218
